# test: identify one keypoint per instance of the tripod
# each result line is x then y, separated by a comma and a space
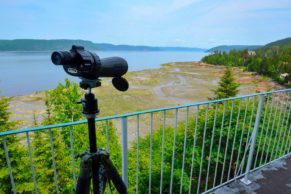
95, 163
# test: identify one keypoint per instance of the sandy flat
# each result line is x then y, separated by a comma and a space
172, 84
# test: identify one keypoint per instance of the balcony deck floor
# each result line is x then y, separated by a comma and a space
274, 178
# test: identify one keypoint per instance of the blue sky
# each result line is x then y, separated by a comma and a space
193, 23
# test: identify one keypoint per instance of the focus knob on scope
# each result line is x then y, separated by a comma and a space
89, 67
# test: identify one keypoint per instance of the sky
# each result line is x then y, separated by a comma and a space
190, 23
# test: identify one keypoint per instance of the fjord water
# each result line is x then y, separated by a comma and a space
27, 72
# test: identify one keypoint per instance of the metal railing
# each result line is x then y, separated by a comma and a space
193, 148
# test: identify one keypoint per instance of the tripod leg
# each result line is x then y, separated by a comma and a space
84, 179
102, 179
113, 175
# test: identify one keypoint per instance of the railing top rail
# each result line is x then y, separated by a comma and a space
39, 128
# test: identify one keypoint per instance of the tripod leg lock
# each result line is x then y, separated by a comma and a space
85, 166
106, 172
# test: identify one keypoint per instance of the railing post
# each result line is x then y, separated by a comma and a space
245, 180
9, 164
124, 151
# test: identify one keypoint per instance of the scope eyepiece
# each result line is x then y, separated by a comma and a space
62, 58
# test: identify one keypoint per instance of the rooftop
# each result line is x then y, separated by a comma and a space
272, 178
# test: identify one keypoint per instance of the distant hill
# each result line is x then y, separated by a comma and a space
64, 44
282, 42
228, 48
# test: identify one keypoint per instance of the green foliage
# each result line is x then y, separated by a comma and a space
218, 126
17, 155
61, 107
44, 163
228, 48
227, 86
271, 61
231, 124
62, 104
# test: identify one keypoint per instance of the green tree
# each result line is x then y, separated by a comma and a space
270, 61
43, 161
226, 123
62, 104
61, 107
18, 156
227, 85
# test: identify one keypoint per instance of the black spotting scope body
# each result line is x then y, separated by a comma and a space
87, 65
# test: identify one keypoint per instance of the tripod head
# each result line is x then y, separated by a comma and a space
89, 67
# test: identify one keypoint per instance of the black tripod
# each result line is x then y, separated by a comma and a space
95, 163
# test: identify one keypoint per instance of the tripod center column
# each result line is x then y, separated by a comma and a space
90, 111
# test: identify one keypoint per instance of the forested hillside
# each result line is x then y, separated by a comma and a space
272, 60
228, 48
65, 44
282, 42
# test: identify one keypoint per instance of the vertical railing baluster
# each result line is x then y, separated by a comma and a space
184, 148
107, 145
163, 147
234, 139
288, 142
174, 147
73, 156
248, 140
124, 151
54, 161
202, 150
212, 139
193, 149
227, 140
274, 118
137, 153
241, 138
267, 131
219, 144
151, 153
286, 130
31, 162
281, 128
262, 131
9, 164
107, 136
289, 149
277, 128
253, 137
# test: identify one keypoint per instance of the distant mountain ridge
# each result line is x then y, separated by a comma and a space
282, 42
228, 48
65, 44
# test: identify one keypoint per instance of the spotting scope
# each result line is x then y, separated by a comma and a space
89, 67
